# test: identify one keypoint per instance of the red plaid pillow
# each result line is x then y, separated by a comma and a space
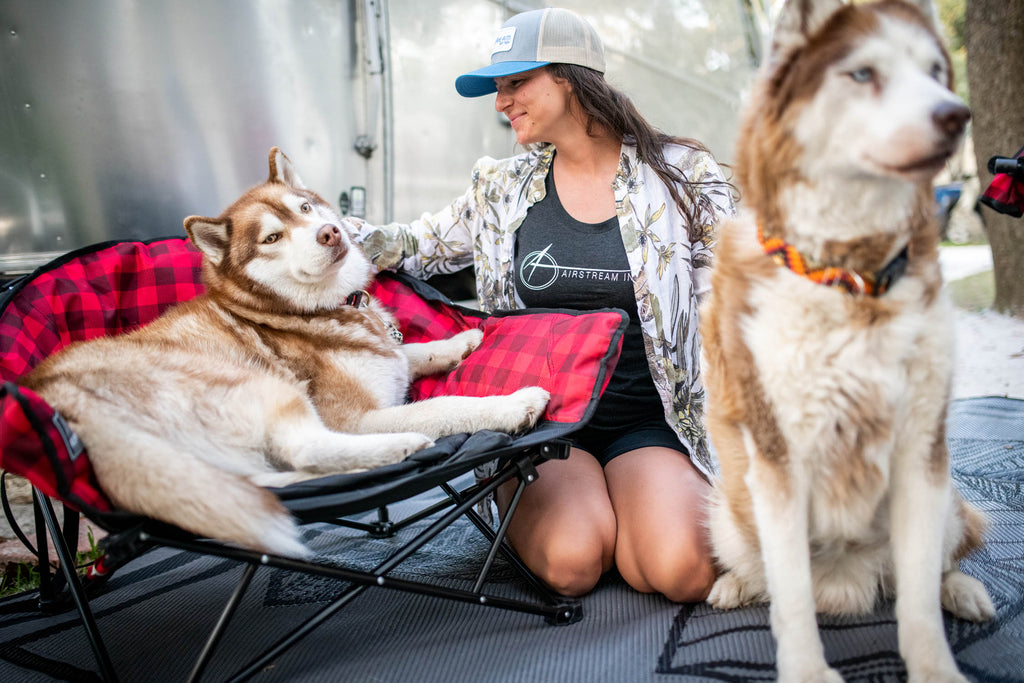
569, 353
566, 353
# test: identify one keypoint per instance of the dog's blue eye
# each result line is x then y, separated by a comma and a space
863, 75
936, 71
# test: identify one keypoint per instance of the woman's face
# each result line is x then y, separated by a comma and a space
536, 104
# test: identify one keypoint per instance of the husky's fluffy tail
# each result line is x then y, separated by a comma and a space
147, 475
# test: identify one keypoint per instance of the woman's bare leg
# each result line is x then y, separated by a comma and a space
662, 546
564, 526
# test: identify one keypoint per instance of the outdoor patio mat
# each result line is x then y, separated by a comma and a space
157, 610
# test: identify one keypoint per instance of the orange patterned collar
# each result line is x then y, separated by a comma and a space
872, 284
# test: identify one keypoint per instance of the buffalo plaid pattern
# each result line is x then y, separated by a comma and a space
93, 292
1005, 193
114, 287
36, 443
569, 353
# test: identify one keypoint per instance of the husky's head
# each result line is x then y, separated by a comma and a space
854, 106
282, 243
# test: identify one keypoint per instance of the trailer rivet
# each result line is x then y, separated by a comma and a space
380, 580
483, 599
264, 559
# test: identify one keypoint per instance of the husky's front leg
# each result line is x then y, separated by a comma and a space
780, 503
921, 496
308, 447
445, 415
442, 355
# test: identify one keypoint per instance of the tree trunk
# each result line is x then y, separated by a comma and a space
995, 74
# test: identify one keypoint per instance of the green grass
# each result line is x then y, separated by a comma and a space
24, 576
974, 292
18, 578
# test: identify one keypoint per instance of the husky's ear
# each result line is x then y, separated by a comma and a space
282, 171
930, 13
797, 21
210, 237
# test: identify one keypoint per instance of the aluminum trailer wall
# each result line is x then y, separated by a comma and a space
118, 118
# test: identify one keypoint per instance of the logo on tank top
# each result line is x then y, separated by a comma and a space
539, 270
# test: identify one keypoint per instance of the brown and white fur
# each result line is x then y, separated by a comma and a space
266, 379
827, 409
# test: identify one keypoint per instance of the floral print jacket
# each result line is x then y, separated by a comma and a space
670, 272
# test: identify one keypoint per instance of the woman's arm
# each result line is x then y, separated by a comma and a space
432, 244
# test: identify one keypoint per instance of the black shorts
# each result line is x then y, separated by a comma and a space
605, 444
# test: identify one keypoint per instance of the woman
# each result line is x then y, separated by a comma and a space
601, 211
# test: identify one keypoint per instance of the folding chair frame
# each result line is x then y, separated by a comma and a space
520, 465
108, 288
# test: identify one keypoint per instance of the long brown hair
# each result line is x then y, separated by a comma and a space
607, 109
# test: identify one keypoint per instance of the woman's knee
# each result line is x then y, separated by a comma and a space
573, 566
691, 581
682, 574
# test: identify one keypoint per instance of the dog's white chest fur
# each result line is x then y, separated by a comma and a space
389, 373
842, 390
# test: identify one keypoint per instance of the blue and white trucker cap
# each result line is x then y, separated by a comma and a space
533, 39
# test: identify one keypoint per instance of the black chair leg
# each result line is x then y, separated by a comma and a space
74, 585
222, 623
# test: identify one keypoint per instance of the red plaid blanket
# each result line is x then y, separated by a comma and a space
114, 287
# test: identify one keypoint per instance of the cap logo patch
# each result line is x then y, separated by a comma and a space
503, 43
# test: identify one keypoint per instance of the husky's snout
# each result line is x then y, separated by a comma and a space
951, 118
329, 235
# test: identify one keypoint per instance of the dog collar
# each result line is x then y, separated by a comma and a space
359, 299
854, 282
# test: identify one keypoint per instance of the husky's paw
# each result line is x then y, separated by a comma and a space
525, 407
456, 349
933, 674
470, 340
389, 449
926, 653
965, 597
730, 592
404, 444
805, 672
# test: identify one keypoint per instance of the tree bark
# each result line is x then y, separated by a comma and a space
995, 74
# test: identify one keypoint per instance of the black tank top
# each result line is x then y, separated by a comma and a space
561, 262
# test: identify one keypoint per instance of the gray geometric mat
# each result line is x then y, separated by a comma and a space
158, 609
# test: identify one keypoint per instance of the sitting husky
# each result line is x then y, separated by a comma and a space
827, 340
272, 376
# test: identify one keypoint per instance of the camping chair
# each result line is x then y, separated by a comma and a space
115, 286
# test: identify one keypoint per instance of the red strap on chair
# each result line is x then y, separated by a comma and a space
36, 443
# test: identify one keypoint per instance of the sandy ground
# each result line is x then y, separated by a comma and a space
990, 355
989, 346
